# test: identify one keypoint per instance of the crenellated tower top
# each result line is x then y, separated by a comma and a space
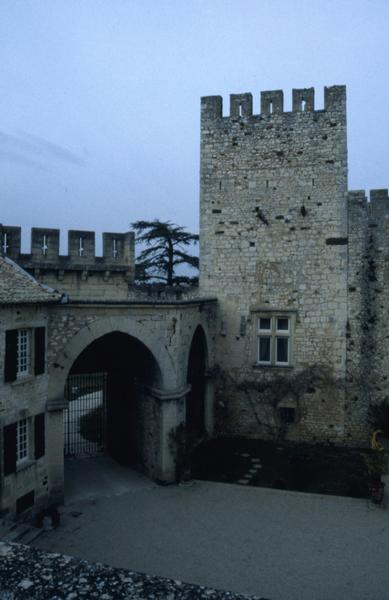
272, 102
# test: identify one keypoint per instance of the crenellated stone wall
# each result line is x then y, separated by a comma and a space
80, 274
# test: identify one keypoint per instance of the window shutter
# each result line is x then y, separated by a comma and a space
39, 350
9, 449
11, 339
39, 435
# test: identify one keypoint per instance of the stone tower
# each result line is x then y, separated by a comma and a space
273, 250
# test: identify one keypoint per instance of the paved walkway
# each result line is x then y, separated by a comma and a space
275, 544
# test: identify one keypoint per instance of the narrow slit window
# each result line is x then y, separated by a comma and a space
270, 107
5, 245
45, 246
115, 251
240, 110
303, 105
80, 246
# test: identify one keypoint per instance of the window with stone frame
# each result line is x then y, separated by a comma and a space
274, 339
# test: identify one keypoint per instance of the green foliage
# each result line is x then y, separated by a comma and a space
166, 249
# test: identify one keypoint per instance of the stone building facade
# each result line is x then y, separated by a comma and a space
298, 265
156, 351
287, 336
24, 422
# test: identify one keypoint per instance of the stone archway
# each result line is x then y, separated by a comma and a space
141, 330
128, 426
162, 397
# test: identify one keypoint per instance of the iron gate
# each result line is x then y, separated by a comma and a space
85, 419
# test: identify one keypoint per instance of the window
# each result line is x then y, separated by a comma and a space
21, 441
45, 247
24, 353
273, 340
115, 251
287, 414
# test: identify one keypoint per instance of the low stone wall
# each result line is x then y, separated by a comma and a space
28, 573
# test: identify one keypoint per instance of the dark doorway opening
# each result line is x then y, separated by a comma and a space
127, 365
195, 400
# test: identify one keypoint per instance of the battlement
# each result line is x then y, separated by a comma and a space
272, 102
118, 249
378, 204
80, 274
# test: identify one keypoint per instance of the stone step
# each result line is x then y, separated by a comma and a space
30, 535
19, 532
15, 533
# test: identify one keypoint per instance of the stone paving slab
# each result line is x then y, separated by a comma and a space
30, 574
270, 543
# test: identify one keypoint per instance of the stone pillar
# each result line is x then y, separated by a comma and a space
55, 455
209, 416
172, 415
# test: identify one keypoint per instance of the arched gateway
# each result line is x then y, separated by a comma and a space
151, 368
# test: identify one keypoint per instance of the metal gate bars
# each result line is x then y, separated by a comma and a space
85, 419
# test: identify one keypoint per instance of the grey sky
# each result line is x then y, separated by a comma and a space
100, 99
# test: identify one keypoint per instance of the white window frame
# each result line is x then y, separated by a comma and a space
23, 352
22, 441
274, 334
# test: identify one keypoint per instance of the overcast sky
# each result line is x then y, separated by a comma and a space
100, 99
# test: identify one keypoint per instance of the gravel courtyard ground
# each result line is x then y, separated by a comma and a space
275, 544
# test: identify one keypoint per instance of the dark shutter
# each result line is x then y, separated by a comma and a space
11, 340
39, 349
9, 432
39, 435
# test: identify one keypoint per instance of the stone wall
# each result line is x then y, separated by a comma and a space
273, 241
368, 331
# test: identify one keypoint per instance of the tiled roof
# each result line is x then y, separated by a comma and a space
19, 287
